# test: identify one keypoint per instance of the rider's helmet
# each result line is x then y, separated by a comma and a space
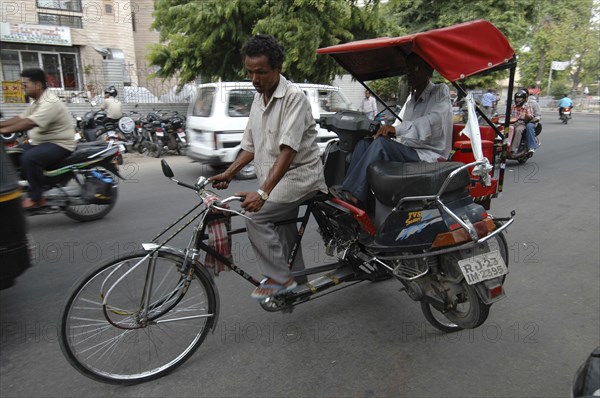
112, 91
520, 97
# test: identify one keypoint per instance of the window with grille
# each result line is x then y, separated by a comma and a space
60, 20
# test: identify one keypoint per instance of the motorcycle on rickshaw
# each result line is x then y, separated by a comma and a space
431, 230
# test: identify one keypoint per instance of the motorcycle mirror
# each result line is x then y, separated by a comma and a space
166, 169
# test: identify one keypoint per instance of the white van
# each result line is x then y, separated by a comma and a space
218, 115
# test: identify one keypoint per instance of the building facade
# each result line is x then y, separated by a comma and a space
83, 45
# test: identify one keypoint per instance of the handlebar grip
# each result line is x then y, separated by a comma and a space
230, 199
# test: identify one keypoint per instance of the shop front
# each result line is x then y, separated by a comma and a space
39, 46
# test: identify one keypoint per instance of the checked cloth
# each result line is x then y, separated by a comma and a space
218, 238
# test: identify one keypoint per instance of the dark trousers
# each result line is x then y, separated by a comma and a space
35, 159
369, 151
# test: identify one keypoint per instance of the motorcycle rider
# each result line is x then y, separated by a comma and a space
112, 105
424, 135
51, 135
565, 102
528, 115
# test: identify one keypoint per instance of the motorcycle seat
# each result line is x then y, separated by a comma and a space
81, 154
392, 181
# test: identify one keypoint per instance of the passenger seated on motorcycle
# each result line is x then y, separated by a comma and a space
112, 106
565, 102
528, 115
51, 135
425, 133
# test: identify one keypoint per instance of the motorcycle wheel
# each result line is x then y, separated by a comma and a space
477, 312
499, 243
157, 149
523, 160
469, 313
181, 149
91, 212
147, 148
142, 148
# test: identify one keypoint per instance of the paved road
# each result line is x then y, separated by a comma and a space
369, 340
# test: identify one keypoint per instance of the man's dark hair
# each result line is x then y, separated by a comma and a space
265, 45
35, 75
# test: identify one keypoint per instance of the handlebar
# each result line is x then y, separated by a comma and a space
230, 199
199, 186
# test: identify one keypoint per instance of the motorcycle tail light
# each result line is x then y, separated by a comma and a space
451, 238
457, 236
495, 291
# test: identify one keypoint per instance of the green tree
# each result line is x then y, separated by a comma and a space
411, 16
205, 37
563, 34
202, 37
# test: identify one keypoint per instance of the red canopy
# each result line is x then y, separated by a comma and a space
456, 52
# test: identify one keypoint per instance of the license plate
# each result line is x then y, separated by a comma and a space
181, 134
483, 267
159, 134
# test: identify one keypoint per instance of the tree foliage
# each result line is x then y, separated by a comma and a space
202, 37
562, 33
511, 17
205, 37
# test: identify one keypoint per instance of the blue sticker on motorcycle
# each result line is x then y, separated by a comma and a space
427, 218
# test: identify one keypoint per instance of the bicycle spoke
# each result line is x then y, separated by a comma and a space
123, 348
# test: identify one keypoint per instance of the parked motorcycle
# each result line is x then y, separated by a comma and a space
91, 125
565, 116
174, 128
164, 132
137, 135
152, 135
84, 185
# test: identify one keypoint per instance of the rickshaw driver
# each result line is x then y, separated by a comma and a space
281, 139
425, 133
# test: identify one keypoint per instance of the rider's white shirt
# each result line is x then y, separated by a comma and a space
427, 123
